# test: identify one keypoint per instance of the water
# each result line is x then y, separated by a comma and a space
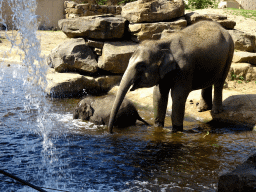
41, 143
83, 157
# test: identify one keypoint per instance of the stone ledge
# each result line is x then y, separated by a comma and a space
244, 57
238, 107
242, 179
68, 85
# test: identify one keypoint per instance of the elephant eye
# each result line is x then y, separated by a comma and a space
141, 66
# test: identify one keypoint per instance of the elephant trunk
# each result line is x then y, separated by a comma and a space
126, 82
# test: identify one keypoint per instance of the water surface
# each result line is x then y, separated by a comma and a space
79, 156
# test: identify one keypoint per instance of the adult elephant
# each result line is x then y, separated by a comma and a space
197, 57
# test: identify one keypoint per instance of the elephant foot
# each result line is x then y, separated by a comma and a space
217, 110
176, 128
159, 124
202, 106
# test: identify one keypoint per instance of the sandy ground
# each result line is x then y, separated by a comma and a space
48, 40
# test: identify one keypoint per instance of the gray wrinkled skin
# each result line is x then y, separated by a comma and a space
98, 111
197, 57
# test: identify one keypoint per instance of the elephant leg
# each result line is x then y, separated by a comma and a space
217, 101
160, 101
205, 102
179, 97
218, 86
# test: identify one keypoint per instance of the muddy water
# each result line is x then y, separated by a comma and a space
83, 157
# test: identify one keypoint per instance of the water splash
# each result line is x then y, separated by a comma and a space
25, 38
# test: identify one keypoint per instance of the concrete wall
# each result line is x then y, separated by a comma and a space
248, 4
51, 12
244, 4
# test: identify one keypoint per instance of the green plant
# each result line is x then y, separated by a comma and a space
101, 2
239, 82
241, 12
125, 1
233, 76
241, 78
200, 4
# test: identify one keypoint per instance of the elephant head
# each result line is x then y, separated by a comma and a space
83, 111
148, 65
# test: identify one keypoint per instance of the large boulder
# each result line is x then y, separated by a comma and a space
73, 56
251, 74
94, 27
238, 71
242, 179
68, 85
221, 19
244, 57
242, 72
243, 41
143, 31
153, 10
116, 55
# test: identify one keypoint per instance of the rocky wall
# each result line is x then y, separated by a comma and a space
73, 9
100, 46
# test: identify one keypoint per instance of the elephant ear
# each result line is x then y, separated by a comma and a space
166, 63
97, 120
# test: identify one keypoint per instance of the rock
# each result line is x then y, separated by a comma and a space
70, 4
242, 179
116, 55
67, 85
238, 71
251, 74
95, 44
94, 27
243, 41
227, 24
195, 17
221, 19
73, 56
144, 31
74, 10
97, 51
244, 57
153, 10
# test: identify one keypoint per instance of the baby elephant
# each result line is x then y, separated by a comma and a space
98, 111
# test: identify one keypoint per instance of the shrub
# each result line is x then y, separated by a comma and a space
200, 4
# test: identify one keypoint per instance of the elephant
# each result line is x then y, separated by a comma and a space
197, 57
98, 111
